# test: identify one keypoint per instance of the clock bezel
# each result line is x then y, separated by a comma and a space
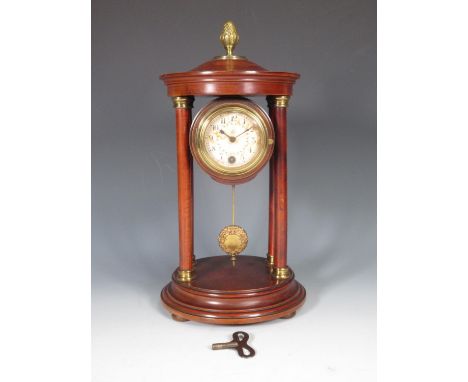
224, 174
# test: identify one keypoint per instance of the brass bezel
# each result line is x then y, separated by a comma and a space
201, 123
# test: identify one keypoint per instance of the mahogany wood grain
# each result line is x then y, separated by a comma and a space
185, 187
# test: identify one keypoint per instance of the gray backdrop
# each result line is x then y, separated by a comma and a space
332, 136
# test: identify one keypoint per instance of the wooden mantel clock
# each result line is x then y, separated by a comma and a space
232, 139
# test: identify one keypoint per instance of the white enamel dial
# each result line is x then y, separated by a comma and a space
232, 139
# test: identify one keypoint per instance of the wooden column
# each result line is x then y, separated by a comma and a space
278, 106
271, 201
183, 108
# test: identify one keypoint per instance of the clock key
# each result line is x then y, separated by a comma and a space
239, 342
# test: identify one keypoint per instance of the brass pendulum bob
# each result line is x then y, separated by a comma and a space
233, 239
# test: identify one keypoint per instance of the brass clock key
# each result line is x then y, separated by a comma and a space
239, 342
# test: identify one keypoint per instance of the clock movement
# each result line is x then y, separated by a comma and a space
232, 139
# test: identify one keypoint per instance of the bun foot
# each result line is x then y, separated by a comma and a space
178, 318
290, 315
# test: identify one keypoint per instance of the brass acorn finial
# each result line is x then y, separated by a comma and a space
229, 37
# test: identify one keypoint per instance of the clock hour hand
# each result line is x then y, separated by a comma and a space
232, 139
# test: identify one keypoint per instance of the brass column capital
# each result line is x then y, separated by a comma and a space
278, 101
184, 102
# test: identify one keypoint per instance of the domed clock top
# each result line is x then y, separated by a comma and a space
229, 75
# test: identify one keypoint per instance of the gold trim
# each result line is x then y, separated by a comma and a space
185, 102
184, 275
281, 273
229, 37
278, 101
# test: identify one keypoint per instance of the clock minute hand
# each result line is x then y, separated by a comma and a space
243, 132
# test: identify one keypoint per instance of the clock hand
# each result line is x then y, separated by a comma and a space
232, 139
243, 132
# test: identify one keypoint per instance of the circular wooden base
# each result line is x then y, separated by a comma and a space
233, 292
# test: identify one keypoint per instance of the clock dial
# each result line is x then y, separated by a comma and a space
232, 139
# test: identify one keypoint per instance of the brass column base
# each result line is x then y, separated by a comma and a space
270, 260
281, 273
184, 275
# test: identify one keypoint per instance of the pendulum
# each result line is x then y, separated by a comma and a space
233, 239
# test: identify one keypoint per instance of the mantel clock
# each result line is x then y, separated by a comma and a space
232, 139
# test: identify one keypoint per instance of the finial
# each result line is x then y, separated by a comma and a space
229, 37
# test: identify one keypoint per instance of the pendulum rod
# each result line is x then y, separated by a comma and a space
233, 203
233, 239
